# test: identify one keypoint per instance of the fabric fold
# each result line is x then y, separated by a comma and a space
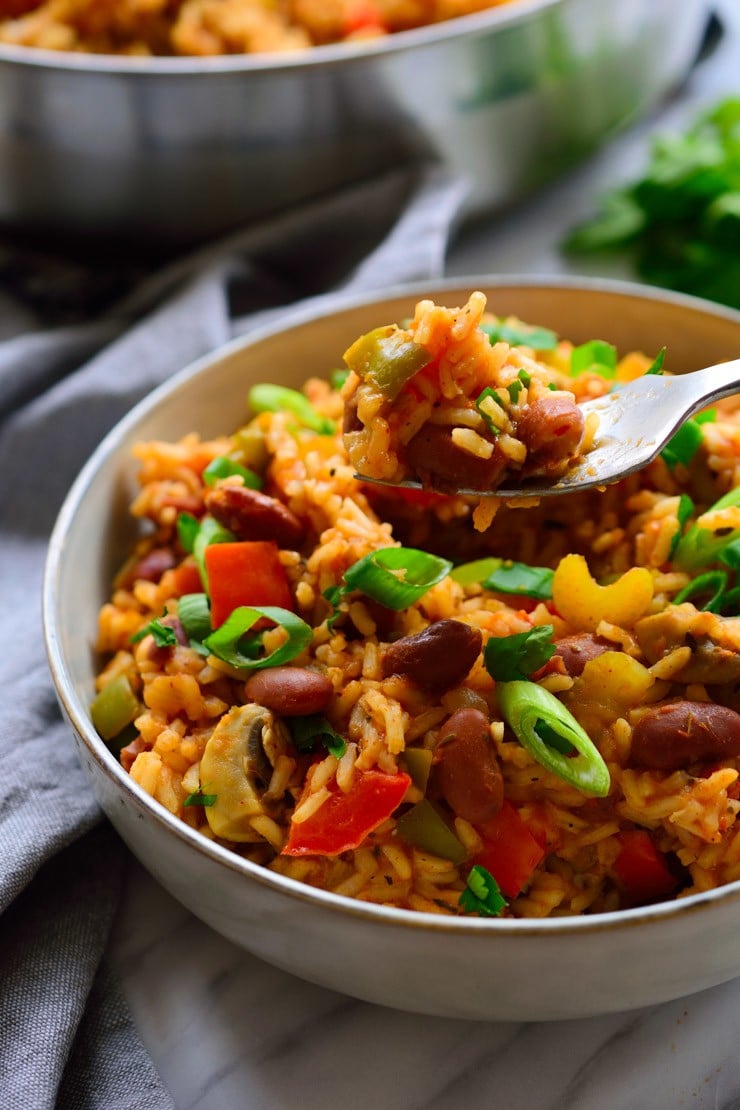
66, 1037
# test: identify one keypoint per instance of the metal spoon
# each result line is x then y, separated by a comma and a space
635, 423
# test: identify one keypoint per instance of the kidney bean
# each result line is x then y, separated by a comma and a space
672, 736
128, 754
289, 691
150, 567
468, 773
252, 515
438, 658
551, 429
576, 651
437, 460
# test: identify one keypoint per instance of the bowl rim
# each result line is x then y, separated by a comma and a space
78, 714
332, 55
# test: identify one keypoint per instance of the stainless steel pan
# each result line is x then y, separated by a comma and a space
177, 149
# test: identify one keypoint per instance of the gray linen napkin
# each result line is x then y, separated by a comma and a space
66, 1037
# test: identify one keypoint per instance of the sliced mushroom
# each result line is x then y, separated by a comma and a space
237, 767
714, 643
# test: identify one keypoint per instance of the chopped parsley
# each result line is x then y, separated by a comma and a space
482, 894
162, 634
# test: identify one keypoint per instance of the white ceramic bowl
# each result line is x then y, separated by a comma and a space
471, 968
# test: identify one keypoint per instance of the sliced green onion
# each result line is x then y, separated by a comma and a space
333, 594
397, 576
278, 398
682, 447
730, 605
596, 356
388, 358
700, 546
492, 409
525, 706
684, 511
162, 634
514, 390
224, 467
195, 617
210, 531
518, 578
656, 367
306, 731
525, 377
338, 378
508, 658
187, 530
225, 641
199, 799
730, 555
482, 894
423, 827
114, 707
521, 335
714, 583
468, 574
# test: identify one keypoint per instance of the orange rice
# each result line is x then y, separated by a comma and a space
594, 541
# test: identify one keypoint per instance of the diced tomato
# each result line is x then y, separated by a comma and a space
642, 870
185, 579
510, 851
344, 820
245, 573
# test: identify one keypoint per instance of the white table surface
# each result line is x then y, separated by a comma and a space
228, 1031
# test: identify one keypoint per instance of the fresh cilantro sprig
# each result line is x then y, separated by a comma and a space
680, 221
308, 731
162, 634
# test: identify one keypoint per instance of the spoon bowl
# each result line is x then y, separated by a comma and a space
636, 421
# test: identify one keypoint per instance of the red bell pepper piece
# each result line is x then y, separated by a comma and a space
245, 573
344, 820
510, 852
186, 579
642, 869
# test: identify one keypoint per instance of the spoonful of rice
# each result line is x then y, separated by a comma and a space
633, 424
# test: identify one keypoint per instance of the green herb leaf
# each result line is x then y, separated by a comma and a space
596, 356
224, 467
195, 617
307, 731
162, 634
518, 578
681, 219
278, 398
397, 577
508, 658
187, 530
199, 799
730, 555
228, 642
521, 335
482, 894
